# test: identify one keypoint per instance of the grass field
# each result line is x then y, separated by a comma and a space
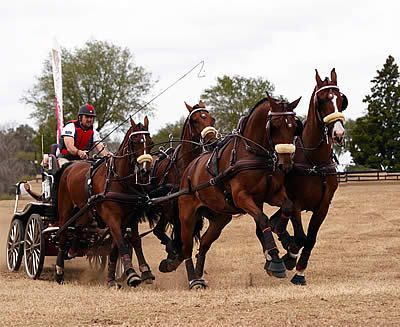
353, 278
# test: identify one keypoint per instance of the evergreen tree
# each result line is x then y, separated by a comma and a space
375, 137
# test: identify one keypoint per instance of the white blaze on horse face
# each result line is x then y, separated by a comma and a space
338, 129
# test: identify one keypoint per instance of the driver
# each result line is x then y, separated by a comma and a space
78, 136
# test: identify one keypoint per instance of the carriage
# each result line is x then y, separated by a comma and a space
33, 230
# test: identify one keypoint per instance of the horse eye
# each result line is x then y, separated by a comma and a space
203, 116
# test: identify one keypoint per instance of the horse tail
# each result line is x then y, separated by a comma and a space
197, 229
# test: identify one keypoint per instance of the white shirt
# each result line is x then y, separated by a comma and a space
69, 130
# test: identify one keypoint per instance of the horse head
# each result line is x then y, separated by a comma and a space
282, 126
140, 144
200, 124
329, 104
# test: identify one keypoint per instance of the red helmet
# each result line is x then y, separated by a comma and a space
87, 110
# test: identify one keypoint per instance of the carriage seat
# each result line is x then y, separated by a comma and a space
53, 166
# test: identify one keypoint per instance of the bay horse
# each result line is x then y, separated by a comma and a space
197, 132
313, 181
114, 196
238, 177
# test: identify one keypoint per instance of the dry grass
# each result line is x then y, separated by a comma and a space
353, 278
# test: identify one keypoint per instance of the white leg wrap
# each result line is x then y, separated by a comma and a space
59, 270
267, 256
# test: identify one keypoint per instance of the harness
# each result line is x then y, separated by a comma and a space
323, 169
132, 196
265, 160
83, 140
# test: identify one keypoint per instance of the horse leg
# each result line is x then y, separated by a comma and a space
112, 263
275, 265
59, 268
144, 268
174, 248
133, 279
217, 223
315, 223
65, 209
159, 232
188, 217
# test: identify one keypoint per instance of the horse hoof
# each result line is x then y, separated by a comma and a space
167, 265
133, 280
298, 280
197, 284
113, 284
277, 269
147, 277
290, 262
163, 267
59, 278
267, 263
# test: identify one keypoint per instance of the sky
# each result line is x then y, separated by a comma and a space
282, 41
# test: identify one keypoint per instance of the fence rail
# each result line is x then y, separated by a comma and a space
365, 176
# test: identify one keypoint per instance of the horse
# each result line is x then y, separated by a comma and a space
313, 181
197, 132
238, 177
112, 194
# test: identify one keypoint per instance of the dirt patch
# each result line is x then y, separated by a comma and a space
353, 278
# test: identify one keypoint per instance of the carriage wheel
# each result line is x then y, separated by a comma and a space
34, 248
97, 262
15, 245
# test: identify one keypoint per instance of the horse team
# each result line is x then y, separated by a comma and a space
270, 158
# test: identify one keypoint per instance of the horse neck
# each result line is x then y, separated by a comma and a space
122, 164
313, 136
188, 151
256, 124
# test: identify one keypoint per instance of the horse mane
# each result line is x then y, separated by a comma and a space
184, 126
196, 106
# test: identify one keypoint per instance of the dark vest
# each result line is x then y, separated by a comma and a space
83, 140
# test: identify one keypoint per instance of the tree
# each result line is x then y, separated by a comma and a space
18, 154
233, 97
163, 135
101, 74
375, 137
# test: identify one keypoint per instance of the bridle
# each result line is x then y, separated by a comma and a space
279, 148
205, 131
145, 158
331, 118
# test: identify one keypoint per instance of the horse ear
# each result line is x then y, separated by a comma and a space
294, 104
318, 79
201, 104
146, 123
271, 100
188, 107
333, 76
345, 102
133, 123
